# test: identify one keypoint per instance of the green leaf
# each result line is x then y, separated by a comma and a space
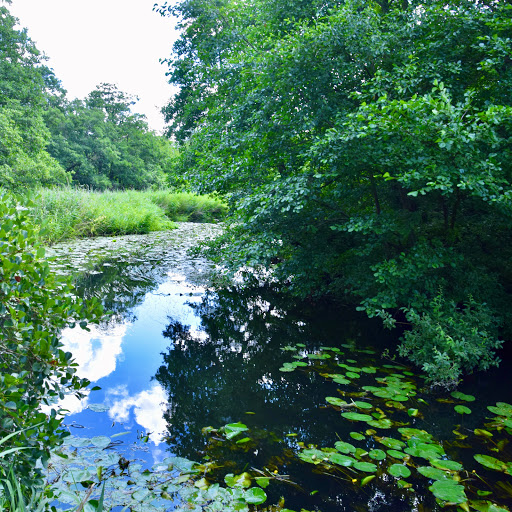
344, 447
462, 409
255, 496
377, 454
433, 473
356, 416
449, 491
368, 467
234, 429
461, 396
399, 471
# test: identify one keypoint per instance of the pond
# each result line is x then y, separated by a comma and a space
223, 400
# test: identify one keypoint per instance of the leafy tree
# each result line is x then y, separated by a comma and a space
365, 149
24, 86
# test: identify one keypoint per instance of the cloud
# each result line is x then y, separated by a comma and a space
97, 351
148, 408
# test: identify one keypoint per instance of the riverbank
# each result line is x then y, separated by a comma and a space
71, 212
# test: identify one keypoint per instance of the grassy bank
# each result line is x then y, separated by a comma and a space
71, 212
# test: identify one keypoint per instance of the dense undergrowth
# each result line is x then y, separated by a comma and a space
76, 212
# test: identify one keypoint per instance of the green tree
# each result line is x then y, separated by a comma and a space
365, 149
24, 84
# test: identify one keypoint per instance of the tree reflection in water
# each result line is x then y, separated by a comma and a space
230, 367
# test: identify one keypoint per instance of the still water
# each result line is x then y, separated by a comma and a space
177, 356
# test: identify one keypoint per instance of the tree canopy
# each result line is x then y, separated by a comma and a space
365, 148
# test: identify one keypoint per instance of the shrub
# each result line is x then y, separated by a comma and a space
450, 340
34, 370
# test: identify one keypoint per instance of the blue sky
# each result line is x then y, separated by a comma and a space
114, 41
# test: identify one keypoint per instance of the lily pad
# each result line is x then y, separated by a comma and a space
363, 405
377, 454
425, 451
334, 400
255, 496
357, 436
462, 409
101, 441
356, 416
433, 473
368, 467
399, 471
340, 379
396, 454
501, 409
352, 375
341, 460
389, 442
449, 491
446, 464
313, 455
343, 447
461, 396
382, 423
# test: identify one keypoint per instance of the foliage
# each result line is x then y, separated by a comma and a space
364, 148
73, 212
34, 371
24, 87
102, 144
451, 341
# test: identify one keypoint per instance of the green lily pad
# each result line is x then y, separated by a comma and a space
341, 460
363, 405
449, 491
357, 436
389, 442
462, 409
396, 454
255, 496
501, 409
313, 455
433, 473
340, 379
399, 471
446, 464
461, 396
262, 481
352, 375
334, 400
356, 416
425, 451
319, 356
383, 423
368, 467
343, 447
369, 369
421, 435
377, 454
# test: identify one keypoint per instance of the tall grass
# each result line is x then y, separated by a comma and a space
74, 212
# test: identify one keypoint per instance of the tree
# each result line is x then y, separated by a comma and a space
365, 149
23, 92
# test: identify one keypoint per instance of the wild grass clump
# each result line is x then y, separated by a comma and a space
188, 207
75, 212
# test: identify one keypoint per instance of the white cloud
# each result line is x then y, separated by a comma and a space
148, 408
97, 351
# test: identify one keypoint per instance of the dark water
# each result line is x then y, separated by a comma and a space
178, 356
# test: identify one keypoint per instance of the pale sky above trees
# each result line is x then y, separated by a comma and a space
114, 41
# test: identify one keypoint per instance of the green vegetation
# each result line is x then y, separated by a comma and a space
70, 212
35, 372
364, 148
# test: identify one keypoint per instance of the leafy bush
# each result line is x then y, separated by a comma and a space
450, 340
34, 371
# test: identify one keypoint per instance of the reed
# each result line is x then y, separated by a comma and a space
76, 212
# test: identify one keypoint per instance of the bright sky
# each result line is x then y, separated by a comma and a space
113, 41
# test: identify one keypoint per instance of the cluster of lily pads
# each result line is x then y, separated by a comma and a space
389, 405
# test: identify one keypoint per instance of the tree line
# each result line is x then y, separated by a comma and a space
47, 139
365, 149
